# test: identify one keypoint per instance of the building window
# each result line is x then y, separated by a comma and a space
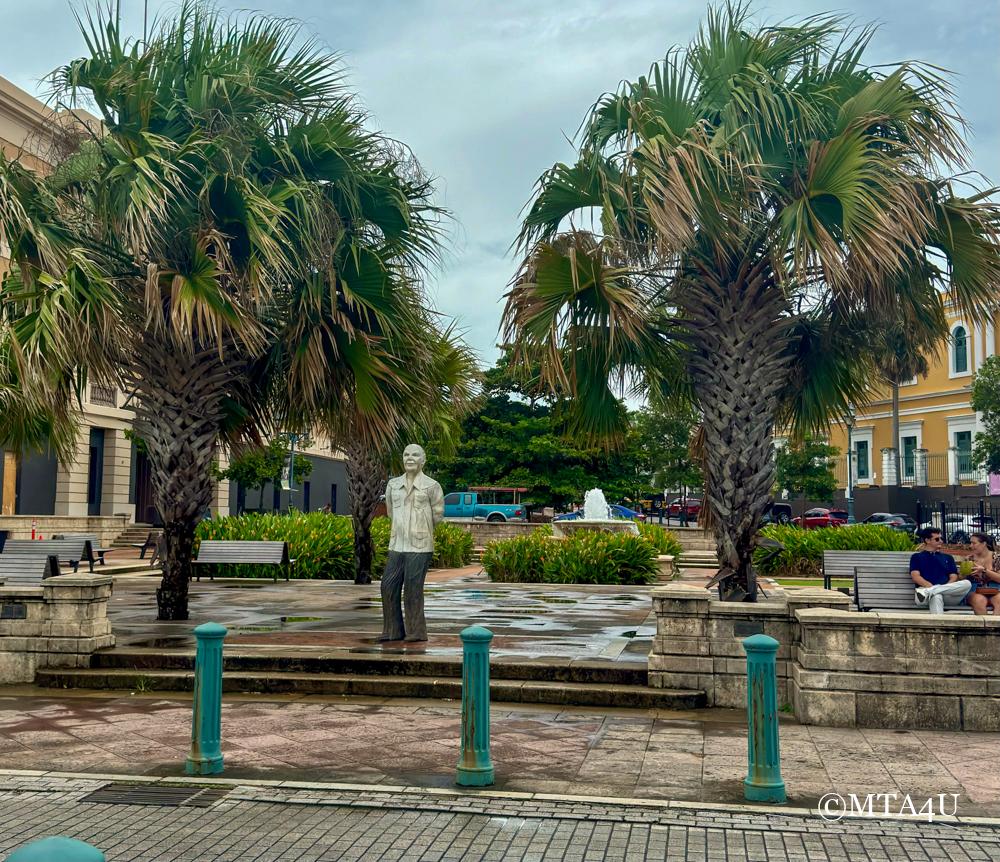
963, 446
861, 459
305, 496
909, 456
959, 350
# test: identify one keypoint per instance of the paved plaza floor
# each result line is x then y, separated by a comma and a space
561, 622
693, 756
330, 824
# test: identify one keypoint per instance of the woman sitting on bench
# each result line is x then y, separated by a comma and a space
985, 575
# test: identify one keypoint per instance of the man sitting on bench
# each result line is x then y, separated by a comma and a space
935, 574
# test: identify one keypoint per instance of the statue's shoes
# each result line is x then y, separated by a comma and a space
384, 639
415, 640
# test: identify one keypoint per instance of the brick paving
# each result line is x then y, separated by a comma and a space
274, 824
696, 756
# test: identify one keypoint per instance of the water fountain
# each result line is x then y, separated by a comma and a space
596, 518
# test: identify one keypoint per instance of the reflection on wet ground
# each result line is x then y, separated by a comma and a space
528, 620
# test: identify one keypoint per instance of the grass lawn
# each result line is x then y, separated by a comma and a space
814, 582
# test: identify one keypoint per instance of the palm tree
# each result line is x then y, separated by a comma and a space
228, 247
753, 201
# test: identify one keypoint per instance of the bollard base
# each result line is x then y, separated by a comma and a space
771, 792
206, 766
481, 776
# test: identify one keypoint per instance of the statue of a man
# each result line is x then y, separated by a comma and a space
415, 503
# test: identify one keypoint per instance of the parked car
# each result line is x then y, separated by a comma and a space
467, 504
621, 512
777, 513
894, 521
815, 518
959, 528
690, 505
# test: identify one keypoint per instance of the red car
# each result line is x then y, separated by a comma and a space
692, 504
815, 518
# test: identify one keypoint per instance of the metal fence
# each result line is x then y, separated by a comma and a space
916, 469
959, 520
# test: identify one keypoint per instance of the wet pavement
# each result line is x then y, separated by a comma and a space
643, 754
528, 620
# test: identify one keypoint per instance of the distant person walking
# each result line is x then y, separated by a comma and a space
935, 574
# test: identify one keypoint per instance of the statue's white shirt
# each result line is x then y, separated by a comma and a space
414, 511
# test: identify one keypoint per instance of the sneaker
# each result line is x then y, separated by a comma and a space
920, 595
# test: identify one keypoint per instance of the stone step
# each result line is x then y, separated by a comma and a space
450, 688
142, 659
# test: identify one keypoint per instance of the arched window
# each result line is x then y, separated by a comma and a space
959, 350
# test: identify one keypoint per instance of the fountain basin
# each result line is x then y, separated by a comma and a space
562, 529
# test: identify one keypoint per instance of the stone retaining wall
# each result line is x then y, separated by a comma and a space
106, 527
835, 667
56, 624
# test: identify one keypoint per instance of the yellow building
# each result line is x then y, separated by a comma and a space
937, 425
107, 486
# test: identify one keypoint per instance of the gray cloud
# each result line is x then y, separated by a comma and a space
486, 93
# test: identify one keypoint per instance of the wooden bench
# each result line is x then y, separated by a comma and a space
26, 569
94, 544
886, 585
841, 564
226, 552
71, 551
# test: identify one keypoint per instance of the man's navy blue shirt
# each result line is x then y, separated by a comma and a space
934, 566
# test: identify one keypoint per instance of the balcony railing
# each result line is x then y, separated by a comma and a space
931, 469
106, 396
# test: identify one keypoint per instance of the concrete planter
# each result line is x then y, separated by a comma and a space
667, 570
835, 667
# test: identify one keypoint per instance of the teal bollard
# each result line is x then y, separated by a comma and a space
763, 782
206, 722
475, 769
57, 849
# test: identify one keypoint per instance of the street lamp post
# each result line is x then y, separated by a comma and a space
851, 416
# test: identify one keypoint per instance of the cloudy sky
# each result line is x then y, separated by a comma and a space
487, 93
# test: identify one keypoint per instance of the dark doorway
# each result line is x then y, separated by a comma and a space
95, 471
305, 496
333, 499
145, 511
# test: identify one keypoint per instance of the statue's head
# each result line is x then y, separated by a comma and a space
414, 459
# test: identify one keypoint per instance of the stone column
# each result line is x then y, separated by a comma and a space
220, 497
71, 479
920, 467
117, 473
8, 495
889, 476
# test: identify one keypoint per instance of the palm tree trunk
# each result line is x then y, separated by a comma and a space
366, 478
178, 414
739, 366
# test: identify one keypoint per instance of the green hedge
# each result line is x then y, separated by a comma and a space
582, 558
803, 554
323, 545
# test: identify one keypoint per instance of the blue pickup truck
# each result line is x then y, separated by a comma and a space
472, 504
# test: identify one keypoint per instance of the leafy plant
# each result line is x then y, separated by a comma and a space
664, 541
584, 557
803, 553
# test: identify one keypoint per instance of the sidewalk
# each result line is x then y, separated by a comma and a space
699, 755
288, 824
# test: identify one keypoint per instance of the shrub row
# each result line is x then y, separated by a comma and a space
323, 545
803, 554
582, 558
